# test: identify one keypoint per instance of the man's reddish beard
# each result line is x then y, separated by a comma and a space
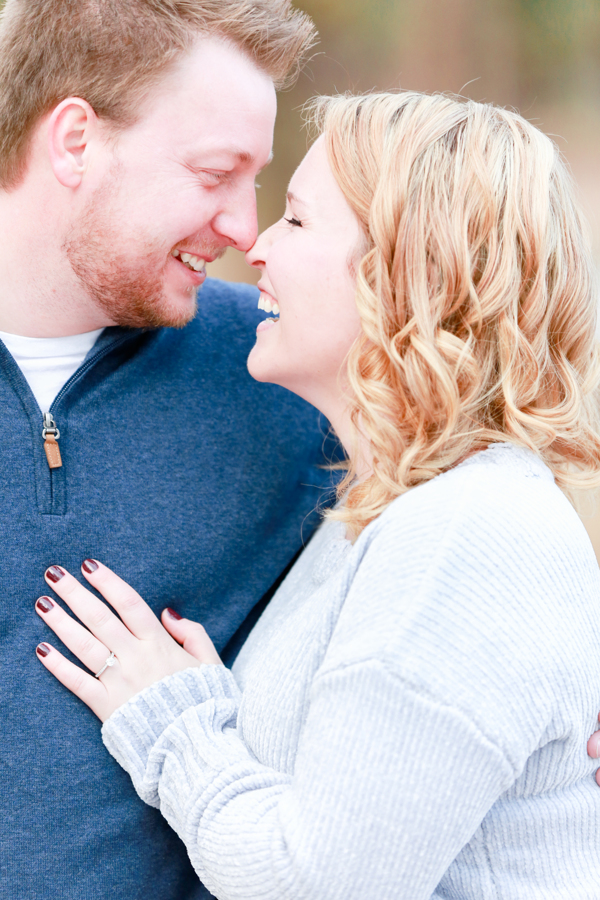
130, 290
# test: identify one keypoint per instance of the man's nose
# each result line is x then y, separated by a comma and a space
237, 223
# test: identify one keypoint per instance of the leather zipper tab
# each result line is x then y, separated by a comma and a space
51, 434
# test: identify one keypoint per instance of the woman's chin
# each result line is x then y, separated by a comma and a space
260, 365
266, 367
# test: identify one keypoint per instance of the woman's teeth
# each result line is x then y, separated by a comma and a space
265, 303
195, 263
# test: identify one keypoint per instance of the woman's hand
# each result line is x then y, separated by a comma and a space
593, 749
144, 651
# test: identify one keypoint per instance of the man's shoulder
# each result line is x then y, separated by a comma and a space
219, 337
236, 292
203, 367
227, 313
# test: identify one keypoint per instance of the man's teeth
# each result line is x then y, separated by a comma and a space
265, 303
192, 262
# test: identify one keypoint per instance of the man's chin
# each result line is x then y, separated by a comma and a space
151, 312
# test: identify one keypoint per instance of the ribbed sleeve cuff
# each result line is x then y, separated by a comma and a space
132, 732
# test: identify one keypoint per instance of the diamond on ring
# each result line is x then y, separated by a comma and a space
109, 662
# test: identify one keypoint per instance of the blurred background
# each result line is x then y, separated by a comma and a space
541, 57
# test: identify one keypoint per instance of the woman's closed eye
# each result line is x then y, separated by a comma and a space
293, 221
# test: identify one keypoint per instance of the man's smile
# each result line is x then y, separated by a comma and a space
195, 263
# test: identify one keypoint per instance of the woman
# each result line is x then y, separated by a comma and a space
408, 718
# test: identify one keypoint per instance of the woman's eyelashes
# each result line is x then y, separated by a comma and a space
293, 221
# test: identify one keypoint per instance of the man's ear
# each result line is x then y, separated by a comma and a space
71, 126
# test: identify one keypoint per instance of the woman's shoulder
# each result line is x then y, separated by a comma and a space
497, 467
488, 555
480, 591
498, 498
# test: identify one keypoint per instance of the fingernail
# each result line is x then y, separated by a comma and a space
54, 573
171, 612
89, 566
44, 604
42, 649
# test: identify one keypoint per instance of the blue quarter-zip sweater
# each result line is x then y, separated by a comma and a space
195, 484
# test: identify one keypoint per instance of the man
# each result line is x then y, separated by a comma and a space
131, 133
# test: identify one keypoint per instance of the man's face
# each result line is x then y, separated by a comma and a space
180, 181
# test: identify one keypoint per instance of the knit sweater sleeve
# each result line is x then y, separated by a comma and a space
388, 786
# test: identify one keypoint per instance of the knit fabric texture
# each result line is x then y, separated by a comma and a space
409, 717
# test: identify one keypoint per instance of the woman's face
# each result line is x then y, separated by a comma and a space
304, 261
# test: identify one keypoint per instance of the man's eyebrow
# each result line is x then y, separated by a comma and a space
241, 156
246, 159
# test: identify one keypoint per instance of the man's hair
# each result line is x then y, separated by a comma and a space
476, 292
112, 52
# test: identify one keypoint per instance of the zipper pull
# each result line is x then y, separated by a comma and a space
51, 434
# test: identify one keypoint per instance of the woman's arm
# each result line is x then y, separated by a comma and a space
388, 786
442, 677
389, 783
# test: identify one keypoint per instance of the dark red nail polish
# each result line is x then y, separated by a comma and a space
89, 566
171, 612
54, 573
42, 649
44, 604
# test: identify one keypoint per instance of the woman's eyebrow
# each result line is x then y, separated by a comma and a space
293, 198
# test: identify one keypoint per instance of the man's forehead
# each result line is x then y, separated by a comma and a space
220, 78
215, 105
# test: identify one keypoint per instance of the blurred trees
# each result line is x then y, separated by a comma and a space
559, 48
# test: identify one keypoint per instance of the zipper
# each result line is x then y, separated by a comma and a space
51, 434
88, 365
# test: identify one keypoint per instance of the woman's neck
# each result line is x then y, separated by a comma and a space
355, 444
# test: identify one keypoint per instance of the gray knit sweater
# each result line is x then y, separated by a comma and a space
409, 717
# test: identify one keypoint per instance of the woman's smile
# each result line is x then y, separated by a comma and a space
305, 273
267, 302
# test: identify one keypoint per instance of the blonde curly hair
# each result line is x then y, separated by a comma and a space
476, 292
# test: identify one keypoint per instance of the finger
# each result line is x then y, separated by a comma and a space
598, 777
134, 611
192, 636
94, 614
593, 745
81, 642
84, 686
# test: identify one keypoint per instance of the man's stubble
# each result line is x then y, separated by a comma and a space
129, 288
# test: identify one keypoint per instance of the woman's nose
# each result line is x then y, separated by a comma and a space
257, 254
